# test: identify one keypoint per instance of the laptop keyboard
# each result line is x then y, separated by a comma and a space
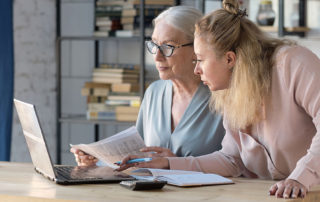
71, 172
64, 171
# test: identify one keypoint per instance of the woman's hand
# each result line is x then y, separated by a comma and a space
288, 188
158, 152
156, 162
83, 159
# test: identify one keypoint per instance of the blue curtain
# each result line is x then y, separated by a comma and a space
6, 77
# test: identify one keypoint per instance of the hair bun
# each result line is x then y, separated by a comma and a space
231, 6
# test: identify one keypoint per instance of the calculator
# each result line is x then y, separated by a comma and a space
142, 184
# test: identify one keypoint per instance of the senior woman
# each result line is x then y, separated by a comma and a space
268, 91
174, 118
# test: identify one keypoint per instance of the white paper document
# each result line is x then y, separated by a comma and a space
116, 147
181, 177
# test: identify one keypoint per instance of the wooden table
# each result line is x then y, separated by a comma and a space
19, 182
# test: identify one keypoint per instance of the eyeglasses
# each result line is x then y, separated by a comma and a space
165, 49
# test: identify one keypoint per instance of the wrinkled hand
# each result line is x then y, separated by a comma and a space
288, 188
158, 152
157, 162
83, 159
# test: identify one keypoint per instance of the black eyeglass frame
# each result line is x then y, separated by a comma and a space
170, 47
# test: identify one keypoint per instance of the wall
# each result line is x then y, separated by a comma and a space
35, 68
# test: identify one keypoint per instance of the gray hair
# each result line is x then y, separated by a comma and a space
182, 18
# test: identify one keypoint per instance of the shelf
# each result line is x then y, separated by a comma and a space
286, 29
81, 119
302, 29
93, 38
297, 29
269, 28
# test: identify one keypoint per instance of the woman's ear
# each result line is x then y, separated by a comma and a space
231, 59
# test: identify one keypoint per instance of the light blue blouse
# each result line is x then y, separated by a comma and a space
199, 131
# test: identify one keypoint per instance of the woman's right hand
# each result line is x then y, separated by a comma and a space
158, 152
83, 159
157, 162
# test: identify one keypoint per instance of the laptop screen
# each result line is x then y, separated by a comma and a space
34, 137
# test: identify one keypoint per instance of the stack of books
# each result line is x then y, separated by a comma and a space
106, 26
126, 105
108, 16
115, 73
126, 13
113, 93
97, 94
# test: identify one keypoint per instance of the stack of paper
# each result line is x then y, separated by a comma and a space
116, 147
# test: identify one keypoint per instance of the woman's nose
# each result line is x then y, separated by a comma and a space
158, 56
197, 70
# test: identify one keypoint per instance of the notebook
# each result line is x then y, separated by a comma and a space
60, 174
181, 178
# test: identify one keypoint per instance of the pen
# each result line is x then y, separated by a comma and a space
136, 160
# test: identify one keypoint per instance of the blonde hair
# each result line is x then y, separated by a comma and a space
228, 29
182, 18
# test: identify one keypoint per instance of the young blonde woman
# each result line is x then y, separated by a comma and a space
174, 117
268, 92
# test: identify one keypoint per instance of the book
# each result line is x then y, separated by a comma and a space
131, 33
103, 21
101, 33
108, 25
126, 117
108, 11
115, 75
129, 12
101, 115
117, 66
127, 33
125, 87
96, 85
123, 96
94, 91
111, 3
96, 99
134, 103
181, 178
128, 26
136, 12
111, 80
100, 107
126, 113
117, 70
116, 147
127, 110
136, 20
106, 28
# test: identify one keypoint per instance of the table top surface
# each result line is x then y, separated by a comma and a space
19, 182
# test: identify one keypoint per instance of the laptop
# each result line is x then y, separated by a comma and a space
60, 174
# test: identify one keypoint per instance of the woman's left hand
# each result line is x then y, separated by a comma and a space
288, 188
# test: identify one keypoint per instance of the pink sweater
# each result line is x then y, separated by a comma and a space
286, 144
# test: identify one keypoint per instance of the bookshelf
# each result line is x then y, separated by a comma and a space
64, 118
281, 30
302, 29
